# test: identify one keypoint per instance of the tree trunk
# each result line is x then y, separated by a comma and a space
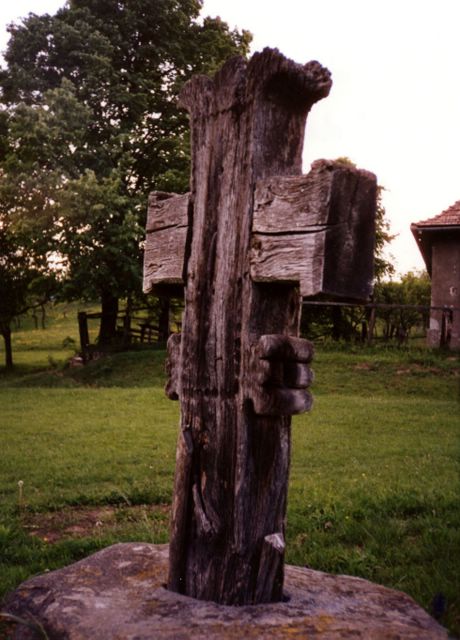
84, 335
108, 326
163, 319
337, 323
6, 333
372, 320
127, 323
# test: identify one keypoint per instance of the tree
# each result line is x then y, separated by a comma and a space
24, 282
383, 268
412, 289
108, 72
14, 282
100, 235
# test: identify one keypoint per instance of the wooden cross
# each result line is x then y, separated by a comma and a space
251, 238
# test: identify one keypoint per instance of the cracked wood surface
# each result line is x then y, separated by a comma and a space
247, 124
166, 229
238, 370
313, 230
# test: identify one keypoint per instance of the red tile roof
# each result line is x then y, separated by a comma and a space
449, 217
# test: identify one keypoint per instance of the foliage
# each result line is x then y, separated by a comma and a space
383, 268
99, 235
352, 323
413, 289
34, 144
90, 125
24, 282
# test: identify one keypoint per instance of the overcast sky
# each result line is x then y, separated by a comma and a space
395, 103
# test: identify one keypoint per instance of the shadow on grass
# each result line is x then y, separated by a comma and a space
143, 367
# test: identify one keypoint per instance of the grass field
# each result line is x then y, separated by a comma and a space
374, 487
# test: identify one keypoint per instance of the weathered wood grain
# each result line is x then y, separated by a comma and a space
306, 230
296, 259
172, 367
284, 347
284, 204
271, 567
167, 223
167, 210
280, 375
279, 401
252, 236
247, 124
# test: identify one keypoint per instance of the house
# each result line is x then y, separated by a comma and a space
438, 239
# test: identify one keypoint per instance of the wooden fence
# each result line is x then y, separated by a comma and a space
397, 321
132, 327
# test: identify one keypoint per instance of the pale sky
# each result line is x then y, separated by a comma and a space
395, 103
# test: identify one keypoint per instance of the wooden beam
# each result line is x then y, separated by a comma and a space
167, 223
306, 230
252, 233
233, 449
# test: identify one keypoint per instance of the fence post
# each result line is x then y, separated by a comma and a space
370, 333
84, 335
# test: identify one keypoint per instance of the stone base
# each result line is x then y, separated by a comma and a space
118, 594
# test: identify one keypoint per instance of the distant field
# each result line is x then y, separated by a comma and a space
374, 477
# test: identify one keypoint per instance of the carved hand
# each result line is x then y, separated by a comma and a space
281, 375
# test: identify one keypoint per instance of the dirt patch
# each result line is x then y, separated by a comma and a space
83, 522
365, 366
413, 369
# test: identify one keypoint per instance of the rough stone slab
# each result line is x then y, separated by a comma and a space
118, 594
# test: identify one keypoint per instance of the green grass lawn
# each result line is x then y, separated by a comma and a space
374, 487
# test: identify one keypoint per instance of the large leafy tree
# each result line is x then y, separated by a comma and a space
25, 281
15, 279
89, 96
25, 185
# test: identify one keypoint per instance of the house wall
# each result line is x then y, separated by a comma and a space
445, 290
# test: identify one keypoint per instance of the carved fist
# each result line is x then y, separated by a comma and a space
281, 375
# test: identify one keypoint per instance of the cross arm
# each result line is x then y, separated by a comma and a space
166, 234
316, 230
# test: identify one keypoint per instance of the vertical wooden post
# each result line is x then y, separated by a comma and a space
84, 335
5, 330
127, 327
163, 319
227, 540
251, 238
371, 331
